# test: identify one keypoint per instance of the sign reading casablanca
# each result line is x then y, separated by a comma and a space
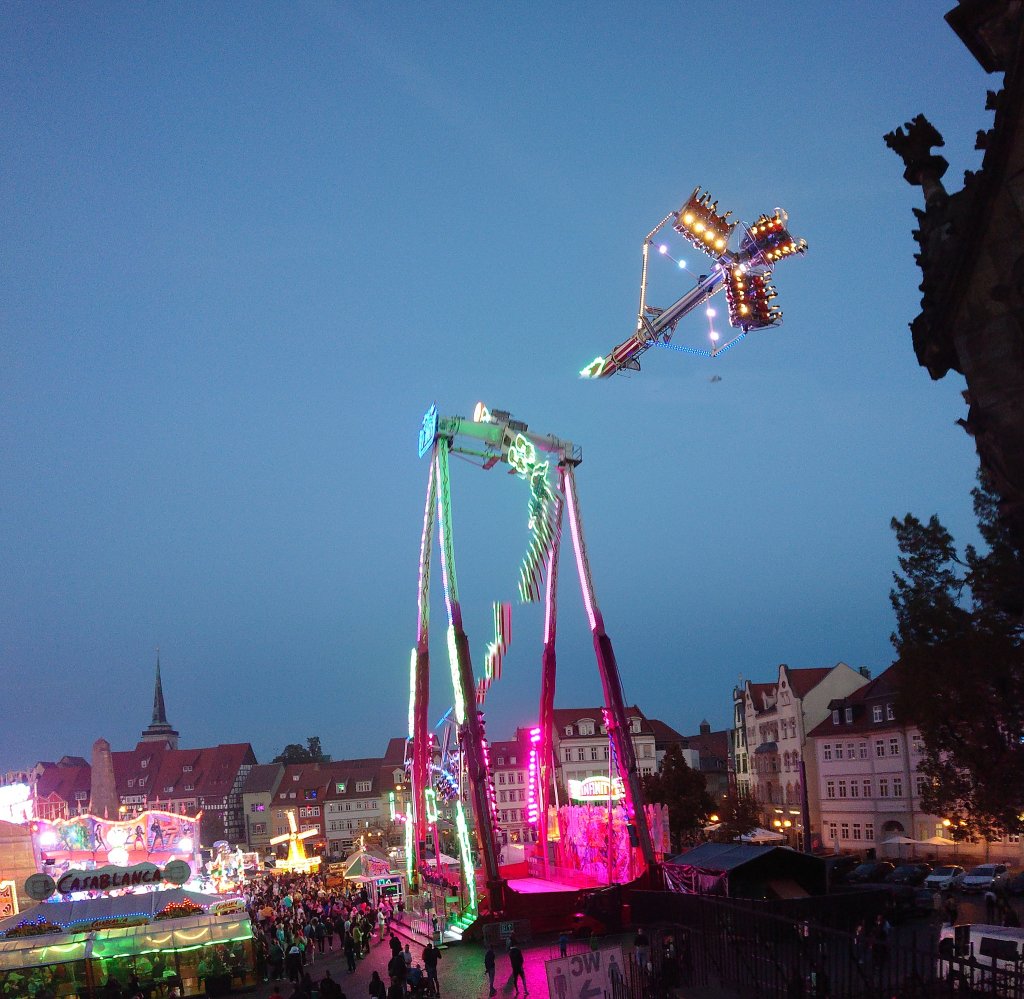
108, 879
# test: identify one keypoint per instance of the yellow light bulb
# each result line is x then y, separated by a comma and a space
687, 219
719, 244
699, 227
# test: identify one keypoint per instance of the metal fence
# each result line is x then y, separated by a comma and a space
725, 949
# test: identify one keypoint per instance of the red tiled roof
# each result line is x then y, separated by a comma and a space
803, 681
262, 778
562, 717
882, 689
664, 733
713, 745
64, 781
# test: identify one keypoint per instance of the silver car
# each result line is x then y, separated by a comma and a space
984, 876
944, 878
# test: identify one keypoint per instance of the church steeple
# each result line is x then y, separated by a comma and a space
160, 729
159, 711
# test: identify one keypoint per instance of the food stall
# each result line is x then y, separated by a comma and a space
202, 944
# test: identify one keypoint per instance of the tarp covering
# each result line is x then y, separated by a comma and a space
741, 870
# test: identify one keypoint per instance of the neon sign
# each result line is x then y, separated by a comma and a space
428, 430
596, 789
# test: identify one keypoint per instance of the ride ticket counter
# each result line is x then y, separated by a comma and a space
206, 954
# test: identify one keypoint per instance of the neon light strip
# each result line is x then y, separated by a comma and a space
409, 836
412, 694
582, 568
468, 874
444, 518
426, 541
453, 663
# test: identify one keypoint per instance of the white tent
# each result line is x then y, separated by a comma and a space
760, 836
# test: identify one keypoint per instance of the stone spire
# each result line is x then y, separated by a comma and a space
103, 799
160, 729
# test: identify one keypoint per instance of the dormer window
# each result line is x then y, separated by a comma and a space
585, 726
568, 729
889, 713
634, 724
144, 764
187, 769
835, 716
849, 715
876, 713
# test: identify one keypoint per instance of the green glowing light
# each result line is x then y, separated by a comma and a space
593, 369
468, 874
409, 831
453, 662
430, 797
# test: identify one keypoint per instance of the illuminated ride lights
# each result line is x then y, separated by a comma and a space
743, 270
547, 464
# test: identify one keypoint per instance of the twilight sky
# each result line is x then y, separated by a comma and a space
246, 246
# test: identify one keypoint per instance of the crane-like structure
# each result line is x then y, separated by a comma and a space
743, 258
547, 464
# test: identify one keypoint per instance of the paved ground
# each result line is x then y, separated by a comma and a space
461, 970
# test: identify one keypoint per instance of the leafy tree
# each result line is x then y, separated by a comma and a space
310, 753
737, 815
960, 642
682, 790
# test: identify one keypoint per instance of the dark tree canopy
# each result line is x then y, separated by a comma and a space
297, 753
737, 815
682, 790
961, 668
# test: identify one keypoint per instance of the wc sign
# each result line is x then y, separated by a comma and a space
589, 975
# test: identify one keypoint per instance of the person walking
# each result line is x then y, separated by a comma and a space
431, 955
517, 961
377, 987
490, 966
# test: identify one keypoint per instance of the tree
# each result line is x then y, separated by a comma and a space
310, 753
682, 790
960, 668
738, 815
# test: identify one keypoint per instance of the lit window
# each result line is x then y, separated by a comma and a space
340, 786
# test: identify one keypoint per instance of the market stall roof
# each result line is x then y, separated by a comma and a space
744, 870
366, 864
172, 934
68, 914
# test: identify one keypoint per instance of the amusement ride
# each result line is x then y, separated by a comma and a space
460, 774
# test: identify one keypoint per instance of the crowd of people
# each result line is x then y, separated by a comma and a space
298, 919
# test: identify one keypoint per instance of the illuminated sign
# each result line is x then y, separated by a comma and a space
108, 879
428, 430
8, 899
596, 789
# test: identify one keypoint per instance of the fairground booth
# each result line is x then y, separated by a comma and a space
117, 898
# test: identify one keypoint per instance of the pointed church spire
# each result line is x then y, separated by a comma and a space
159, 711
160, 729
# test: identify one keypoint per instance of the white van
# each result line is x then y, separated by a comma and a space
989, 958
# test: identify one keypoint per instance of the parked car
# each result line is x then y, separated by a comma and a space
1015, 886
984, 876
944, 878
909, 874
870, 873
839, 868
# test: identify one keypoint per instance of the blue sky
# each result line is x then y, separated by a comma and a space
246, 246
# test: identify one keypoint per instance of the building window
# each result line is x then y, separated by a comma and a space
501, 761
863, 750
593, 753
131, 782
866, 788
501, 778
257, 808
830, 789
188, 769
842, 789
883, 787
889, 713
512, 761
917, 744
919, 784
142, 782
568, 729
81, 796
606, 752
835, 717
310, 794
856, 830
854, 789
259, 828
844, 830
849, 715
849, 751
897, 787
894, 747
585, 727
839, 750
340, 786
581, 754
879, 748
144, 764
362, 786
826, 751
502, 797
869, 830
876, 713
190, 787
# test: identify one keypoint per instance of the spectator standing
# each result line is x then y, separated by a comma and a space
490, 966
517, 962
